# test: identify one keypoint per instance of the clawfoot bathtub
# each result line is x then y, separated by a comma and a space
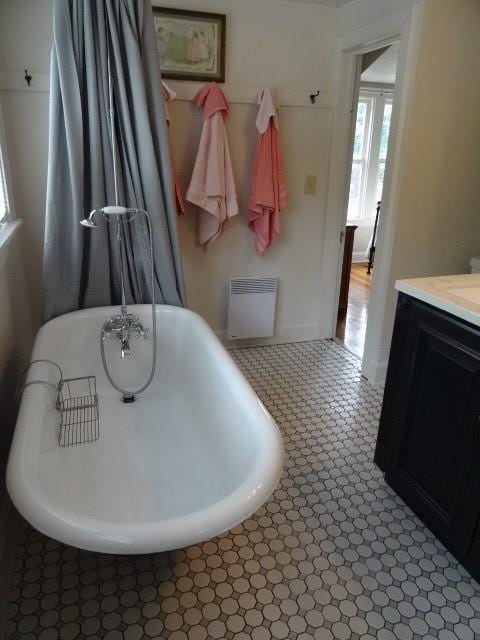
193, 456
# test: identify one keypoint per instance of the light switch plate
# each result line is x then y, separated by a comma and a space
310, 185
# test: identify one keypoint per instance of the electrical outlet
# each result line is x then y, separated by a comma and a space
310, 185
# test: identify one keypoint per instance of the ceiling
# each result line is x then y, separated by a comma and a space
384, 69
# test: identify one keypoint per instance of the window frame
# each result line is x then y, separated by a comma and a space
364, 160
5, 176
10, 224
388, 101
368, 199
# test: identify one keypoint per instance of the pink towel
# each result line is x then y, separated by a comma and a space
212, 187
168, 96
268, 193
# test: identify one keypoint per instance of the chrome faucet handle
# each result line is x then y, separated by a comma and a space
137, 329
110, 331
107, 334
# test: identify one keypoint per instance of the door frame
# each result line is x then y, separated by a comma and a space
405, 28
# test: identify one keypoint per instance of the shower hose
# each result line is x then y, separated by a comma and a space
129, 396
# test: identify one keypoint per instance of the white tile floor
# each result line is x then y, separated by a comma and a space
333, 554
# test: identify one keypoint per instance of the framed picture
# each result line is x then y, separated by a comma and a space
191, 44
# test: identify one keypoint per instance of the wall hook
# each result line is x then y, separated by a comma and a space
314, 96
28, 78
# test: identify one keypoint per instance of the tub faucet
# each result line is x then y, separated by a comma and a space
123, 327
126, 353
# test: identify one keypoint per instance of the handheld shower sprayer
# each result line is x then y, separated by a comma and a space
113, 210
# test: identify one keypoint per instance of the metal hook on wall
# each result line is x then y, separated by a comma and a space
314, 96
28, 78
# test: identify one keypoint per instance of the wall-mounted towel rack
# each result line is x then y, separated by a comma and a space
294, 98
238, 95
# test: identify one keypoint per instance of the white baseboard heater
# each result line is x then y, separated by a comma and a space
251, 308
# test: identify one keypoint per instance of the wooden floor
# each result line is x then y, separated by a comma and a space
352, 327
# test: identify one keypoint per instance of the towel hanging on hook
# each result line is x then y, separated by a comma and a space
212, 187
268, 192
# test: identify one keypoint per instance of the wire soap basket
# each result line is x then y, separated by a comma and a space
76, 402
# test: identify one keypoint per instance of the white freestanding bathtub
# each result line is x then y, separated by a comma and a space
193, 456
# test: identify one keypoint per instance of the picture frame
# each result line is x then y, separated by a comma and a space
190, 44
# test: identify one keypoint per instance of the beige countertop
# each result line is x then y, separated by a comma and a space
458, 295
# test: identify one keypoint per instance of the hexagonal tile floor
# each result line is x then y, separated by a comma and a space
333, 554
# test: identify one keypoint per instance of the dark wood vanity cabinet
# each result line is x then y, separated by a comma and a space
429, 436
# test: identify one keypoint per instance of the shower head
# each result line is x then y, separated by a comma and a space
109, 212
89, 223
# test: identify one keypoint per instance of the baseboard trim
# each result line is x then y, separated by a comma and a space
359, 256
284, 335
374, 372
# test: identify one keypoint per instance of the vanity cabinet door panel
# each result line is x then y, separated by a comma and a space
434, 456
395, 374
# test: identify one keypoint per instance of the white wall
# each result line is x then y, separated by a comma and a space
290, 46
361, 241
15, 335
25, 41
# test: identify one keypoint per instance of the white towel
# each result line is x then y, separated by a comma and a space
266, 110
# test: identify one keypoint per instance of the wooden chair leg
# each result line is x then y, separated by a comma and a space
370, 260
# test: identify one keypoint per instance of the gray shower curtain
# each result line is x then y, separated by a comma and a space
81, 265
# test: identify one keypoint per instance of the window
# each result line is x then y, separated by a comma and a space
382, 156
4, 204
370, 147
6, 212
361, 148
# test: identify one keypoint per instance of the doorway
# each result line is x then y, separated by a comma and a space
369, 149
